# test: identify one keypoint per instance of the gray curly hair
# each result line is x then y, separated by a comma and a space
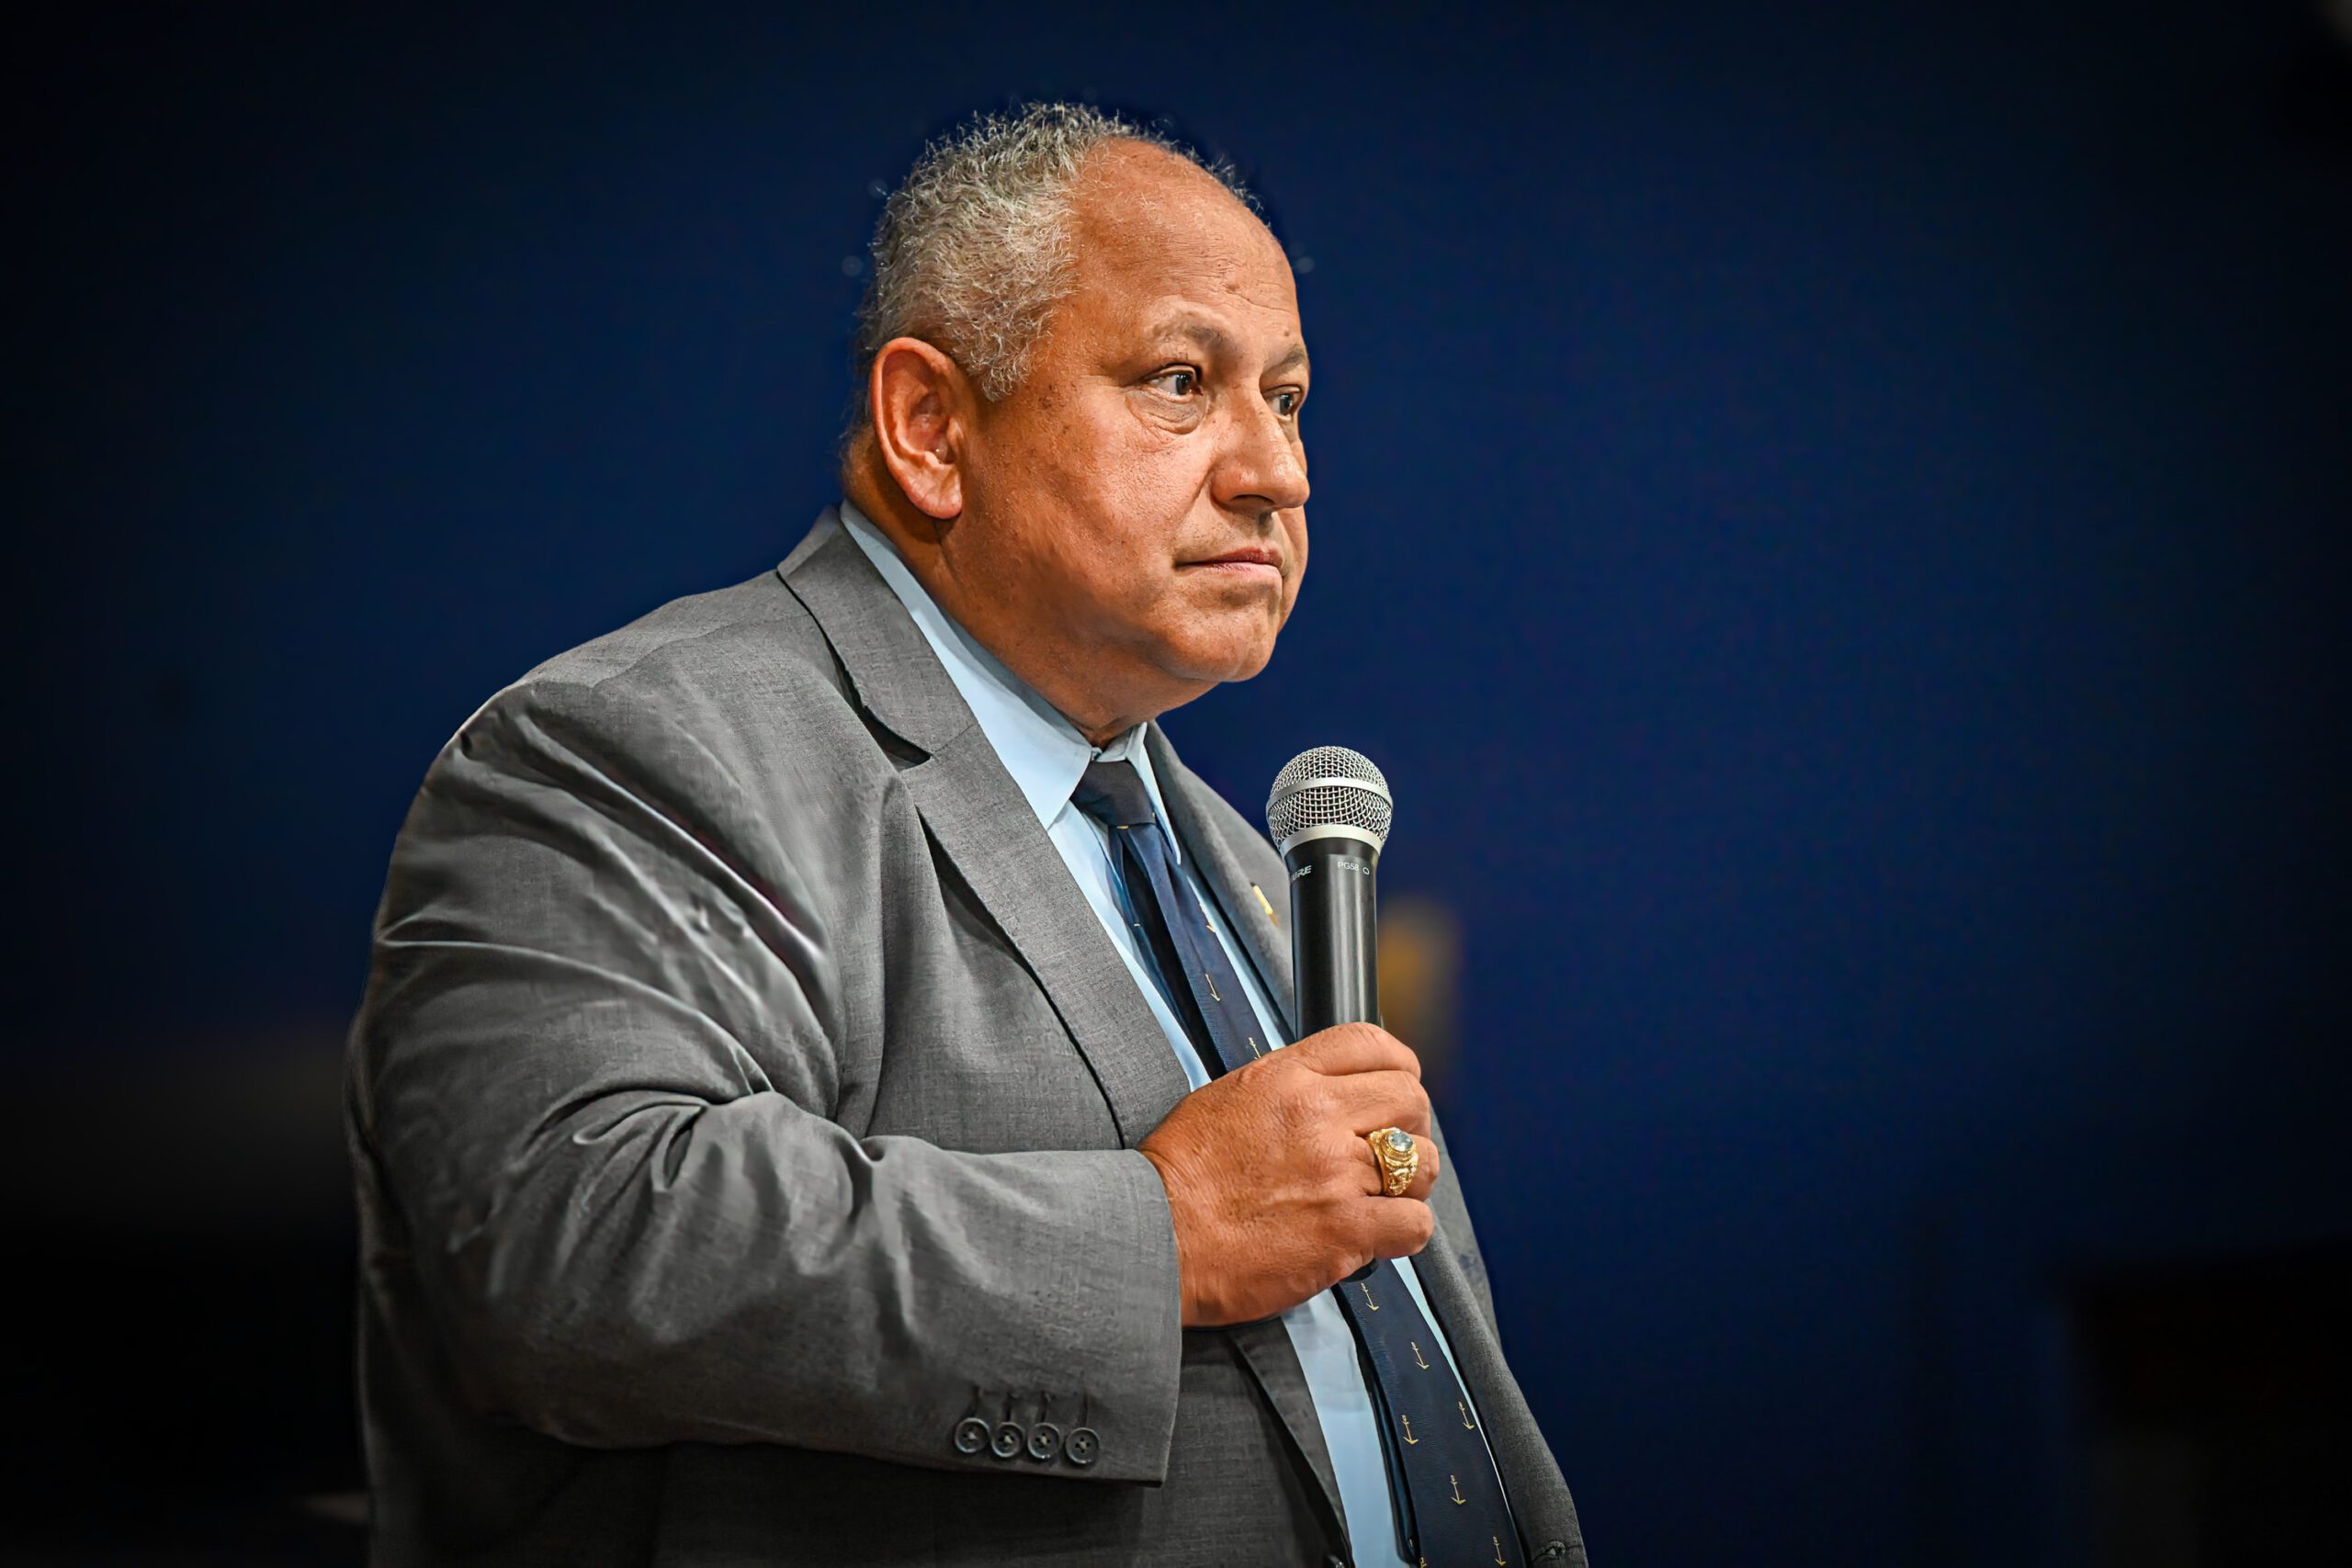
972, 251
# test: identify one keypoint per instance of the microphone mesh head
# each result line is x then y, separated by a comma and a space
1328, 786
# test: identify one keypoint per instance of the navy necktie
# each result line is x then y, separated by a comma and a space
1449, 1508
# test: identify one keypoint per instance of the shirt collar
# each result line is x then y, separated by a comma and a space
1042, 751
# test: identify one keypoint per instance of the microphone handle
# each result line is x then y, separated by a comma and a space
1335, 940
1334, 931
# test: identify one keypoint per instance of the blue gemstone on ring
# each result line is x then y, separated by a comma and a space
1401, 1142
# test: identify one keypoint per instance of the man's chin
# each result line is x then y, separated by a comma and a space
1209, 666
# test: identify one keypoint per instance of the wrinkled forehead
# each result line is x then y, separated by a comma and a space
1151, 234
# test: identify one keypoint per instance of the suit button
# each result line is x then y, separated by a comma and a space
1009, 1440
971, 1435
1080, 1446
1045, 1440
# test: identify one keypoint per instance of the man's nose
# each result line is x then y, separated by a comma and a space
1262, 465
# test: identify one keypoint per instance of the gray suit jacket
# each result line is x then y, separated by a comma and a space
745, 1097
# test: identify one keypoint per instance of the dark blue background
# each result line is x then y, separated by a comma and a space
1832, 518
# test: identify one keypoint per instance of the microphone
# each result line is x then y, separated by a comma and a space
1329, 813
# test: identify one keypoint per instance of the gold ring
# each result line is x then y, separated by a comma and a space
1399, 1156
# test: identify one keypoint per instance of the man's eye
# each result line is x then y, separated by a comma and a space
1286, 401
1177, 383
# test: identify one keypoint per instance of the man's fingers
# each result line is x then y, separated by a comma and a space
1365, 1101
1354, 1048
1401, 1227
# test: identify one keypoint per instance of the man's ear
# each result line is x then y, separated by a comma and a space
922, 406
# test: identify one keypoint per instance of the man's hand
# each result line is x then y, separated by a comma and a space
1274, 1190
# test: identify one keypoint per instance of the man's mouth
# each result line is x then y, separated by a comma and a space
1246, 561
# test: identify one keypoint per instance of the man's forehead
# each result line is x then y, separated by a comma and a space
1139, 204
1176, 255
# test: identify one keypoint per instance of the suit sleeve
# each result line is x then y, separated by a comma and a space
594, 1068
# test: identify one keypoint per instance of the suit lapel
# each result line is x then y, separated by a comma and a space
985, 826
981, 820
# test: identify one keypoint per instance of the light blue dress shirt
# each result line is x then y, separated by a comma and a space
1047, 757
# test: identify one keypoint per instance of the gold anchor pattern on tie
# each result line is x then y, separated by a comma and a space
1438, 1455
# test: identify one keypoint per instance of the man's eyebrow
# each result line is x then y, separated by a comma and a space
1217, 342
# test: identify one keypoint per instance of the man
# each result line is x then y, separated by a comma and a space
795, 1114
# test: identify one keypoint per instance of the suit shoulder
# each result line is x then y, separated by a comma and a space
738, 674
757, 621
715, 645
